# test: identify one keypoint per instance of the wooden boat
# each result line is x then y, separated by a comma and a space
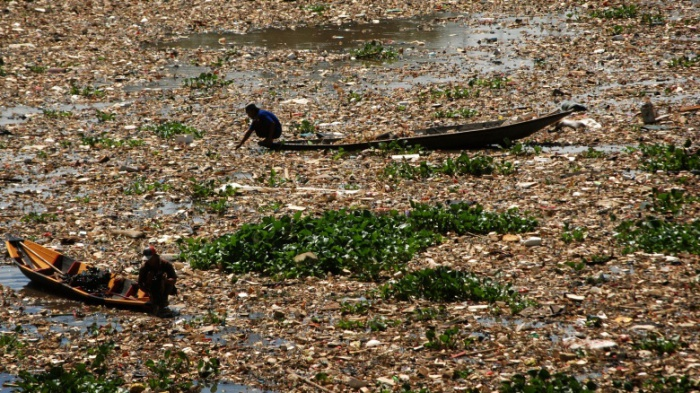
457, 137
55, 272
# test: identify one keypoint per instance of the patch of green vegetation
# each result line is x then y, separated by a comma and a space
65, 143
655, 235
39, 218
205, 80
274, 179
445, 285
37, 69
84, 377
449, 114
42, 154
360, 242
621, 12
350, 324
617, 30
523, 149
478, 165
454, 92
141, 186
576, 266
218, 206
56, 114
684, 61
670, 202
104, 117
659, 344
105, 142
9, 342
164, 372
669, 158
429, 313
542, 381
449, 339
463, 219
665, 384
88, 91
592, 153
497, 82
317, 8
210, 188
354, 96
652, 19
169, 129
304, 127
576, 234
395, 147
380, 323
356, 308
374, 50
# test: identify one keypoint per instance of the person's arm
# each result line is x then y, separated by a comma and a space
143, 275
170, 272
245, 137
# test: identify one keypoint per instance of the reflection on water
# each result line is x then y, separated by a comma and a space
439, 32
6, 380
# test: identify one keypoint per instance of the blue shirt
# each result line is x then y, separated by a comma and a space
261, 124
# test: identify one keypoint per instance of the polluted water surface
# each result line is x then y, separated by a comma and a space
488, 44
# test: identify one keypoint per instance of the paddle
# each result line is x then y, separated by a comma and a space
24, 247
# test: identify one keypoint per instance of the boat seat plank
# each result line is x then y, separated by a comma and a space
76, 268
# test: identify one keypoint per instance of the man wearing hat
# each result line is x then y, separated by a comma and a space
157, 278
265, 124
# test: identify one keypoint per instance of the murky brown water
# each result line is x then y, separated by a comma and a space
438, 32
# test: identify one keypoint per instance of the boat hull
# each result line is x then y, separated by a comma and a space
467, 136
51, 272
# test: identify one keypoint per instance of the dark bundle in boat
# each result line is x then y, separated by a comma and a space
92, 280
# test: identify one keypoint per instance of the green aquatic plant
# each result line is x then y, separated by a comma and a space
576, 234
477, 165
83, 377
104, 117
592, 153
56, 114
357, 242
659, 344
141, 186
446, 285
622, 12
669, 158
656, 235
205, 80
39, 218
684, 61
88, 91
543, 381
374, 50
497, 82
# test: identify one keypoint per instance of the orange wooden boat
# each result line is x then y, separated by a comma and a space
52, 271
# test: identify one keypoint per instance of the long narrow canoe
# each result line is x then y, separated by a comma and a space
52, 271
457, 137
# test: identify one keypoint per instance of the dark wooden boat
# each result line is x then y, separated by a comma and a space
52, 271
457, 137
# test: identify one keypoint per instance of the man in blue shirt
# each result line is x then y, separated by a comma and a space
265, 124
